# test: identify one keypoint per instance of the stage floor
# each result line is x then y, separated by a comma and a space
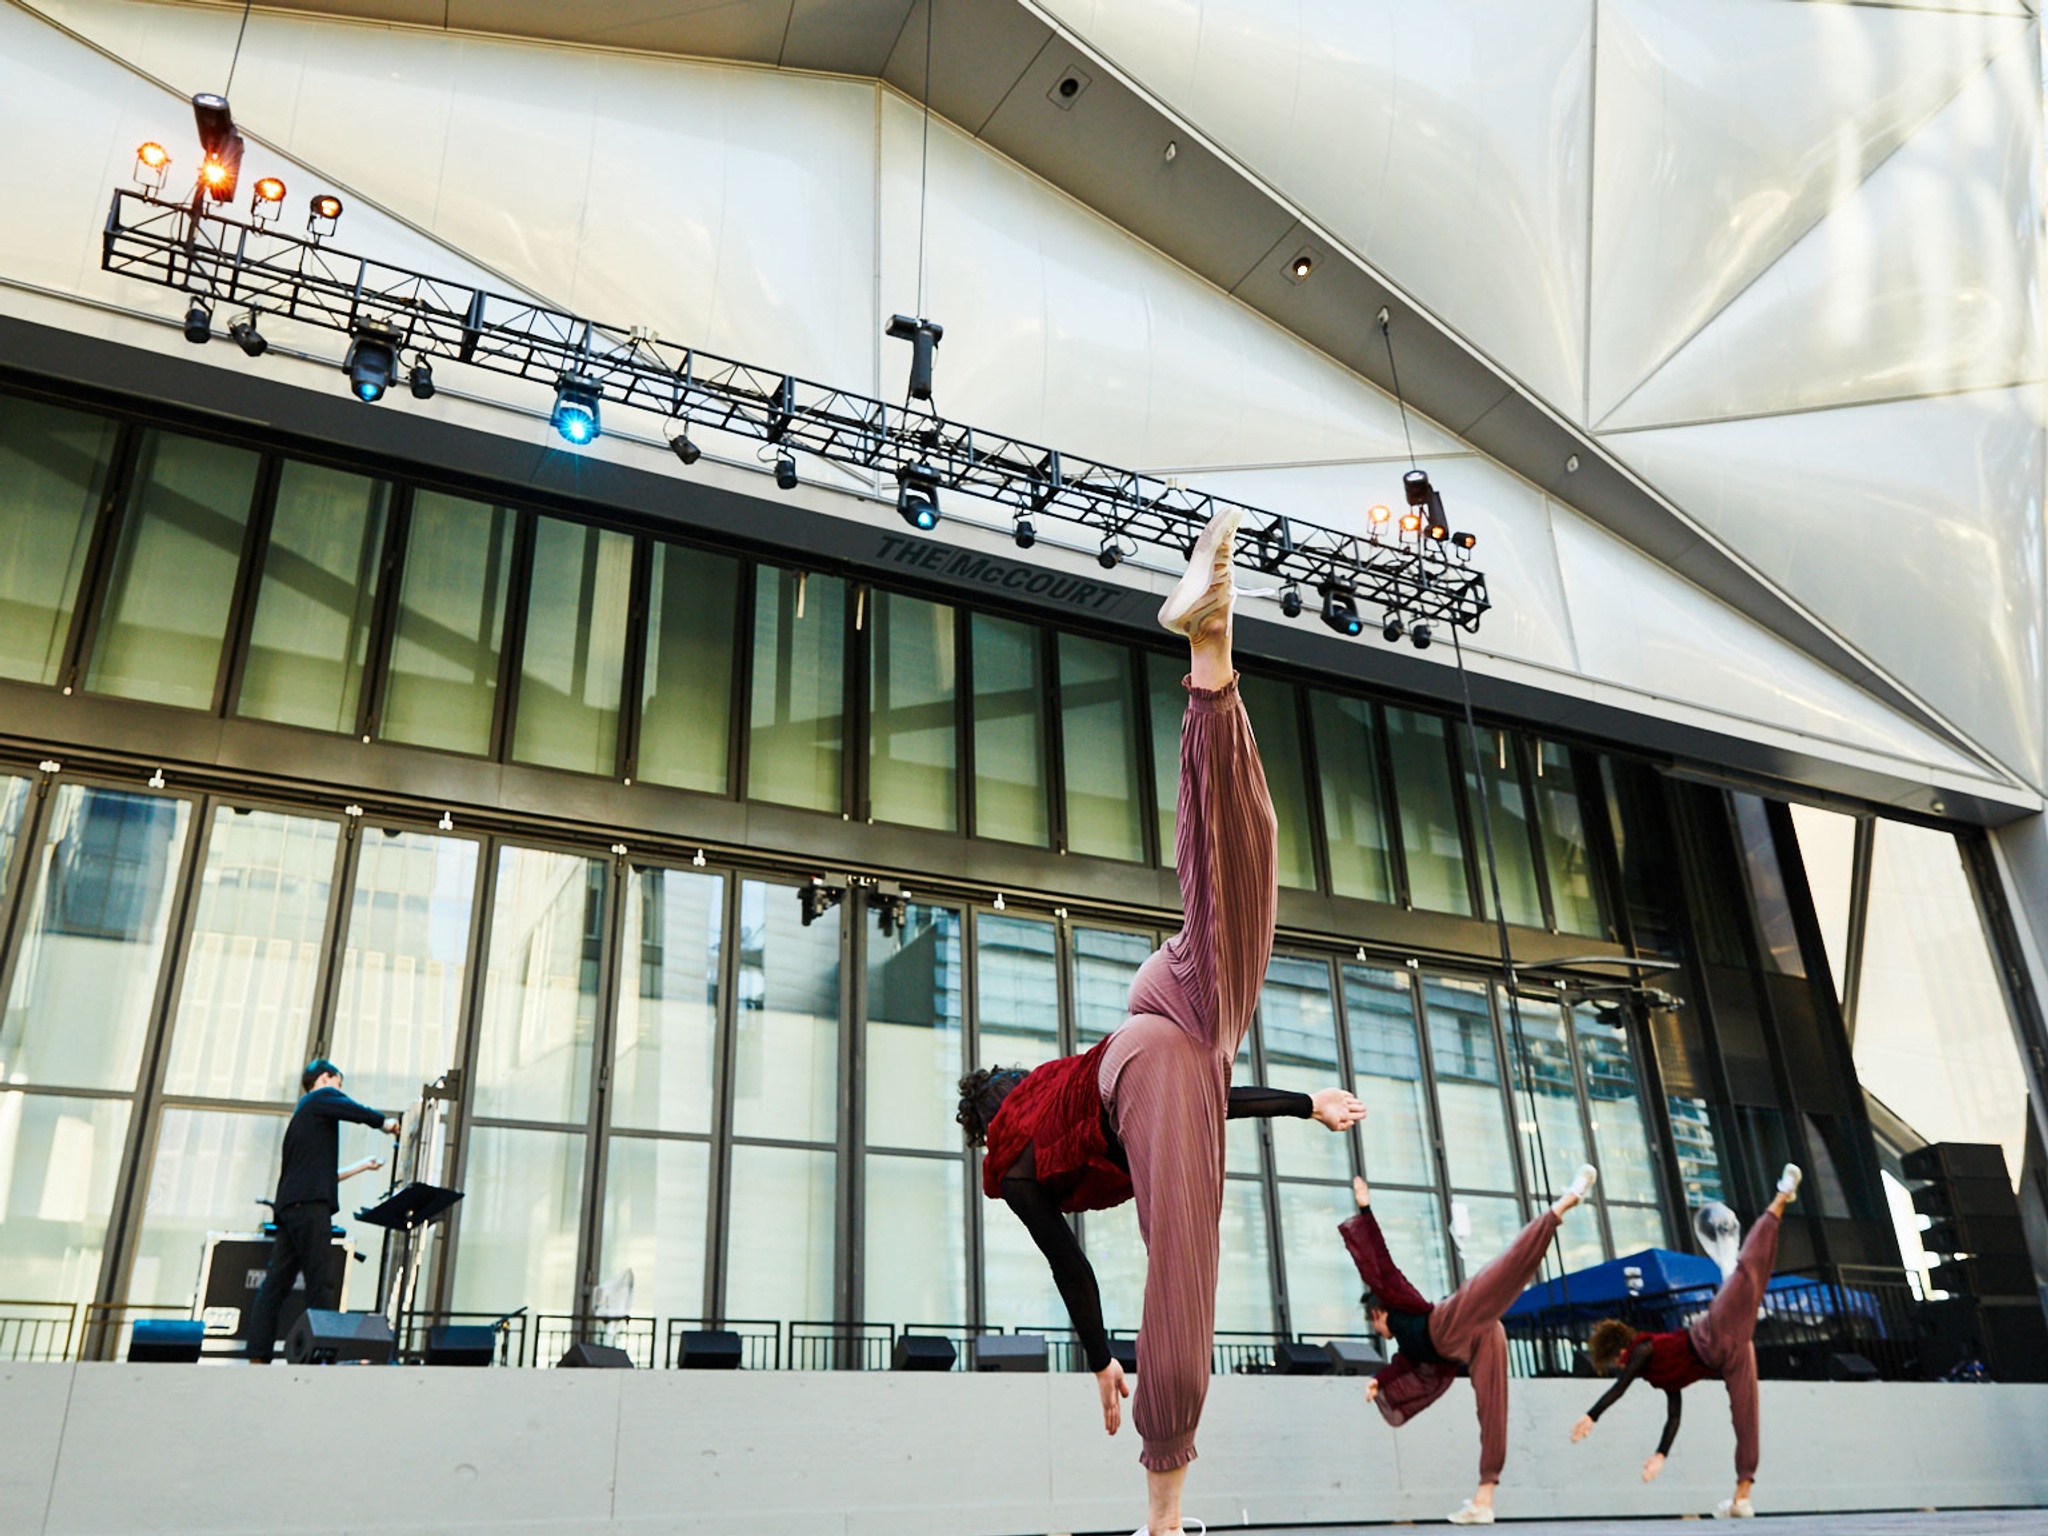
1972, 1522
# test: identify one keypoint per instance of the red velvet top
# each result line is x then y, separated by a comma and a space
1057, 1111
1674, 1364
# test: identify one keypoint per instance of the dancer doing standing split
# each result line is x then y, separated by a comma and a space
1158, 1087
1460, 1335
1719, 1344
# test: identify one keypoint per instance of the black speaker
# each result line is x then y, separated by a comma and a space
1967, 1200
1354, 1357
1849, 1367
601, 1357
166, 1340
322, 1338
1125, 1353
924, 1352
1010, 1352
1987, 1274
1292, 1359
1952, 1235
2017, 1335
708, 1349
1957, 1160
462, 1344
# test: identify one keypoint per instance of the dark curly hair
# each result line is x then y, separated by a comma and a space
981, 1095
1608, 1342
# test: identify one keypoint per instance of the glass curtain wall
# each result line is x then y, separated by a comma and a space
54, 465
686, 684
449, 631
1010, 761
796, 719
913, 729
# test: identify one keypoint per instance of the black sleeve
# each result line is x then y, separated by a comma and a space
1071, 1271
1251, 1103
336, 1105
1638, 1362
1674, 1404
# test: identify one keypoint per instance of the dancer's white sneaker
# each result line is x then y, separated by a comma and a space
1788, 1181
1206, 585
1739, 1509
1469, 1513
1583, 1181
1202, 1529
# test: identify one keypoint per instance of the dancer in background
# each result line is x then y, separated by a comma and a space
1460, 1335
1158, 1087
1719, 1344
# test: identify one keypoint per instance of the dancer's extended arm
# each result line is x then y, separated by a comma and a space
1071, 1272
1337, 1109
1638, 1362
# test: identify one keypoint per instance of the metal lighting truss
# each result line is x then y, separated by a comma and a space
249, 265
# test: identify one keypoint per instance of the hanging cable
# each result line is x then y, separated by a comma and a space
240, 32
925, 150
1387, 336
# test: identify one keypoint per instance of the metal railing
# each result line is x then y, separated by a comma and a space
37, 1330
555, 1333
760, 1339
108, 1324
826, 1346
510, 1332
1243, 1353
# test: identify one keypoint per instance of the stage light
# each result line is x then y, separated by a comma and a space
1109, 556
813, 901
924, 337
1416, 484
785, 472
1380, 513
152, 160
917, 502
575, 415
1024, 533
324, 208
1391, 630
198, 323
1438, 529
1339, 613
247, 337
1290, 602
265, 198
1419, 635
221, 145
372, 361
421, 380
1411, 522
1301, 266
1464, 540
681, 446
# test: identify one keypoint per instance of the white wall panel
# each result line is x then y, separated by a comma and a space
1914, 528
1725, 129
1922, 280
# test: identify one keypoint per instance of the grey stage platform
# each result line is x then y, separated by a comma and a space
1975, 1522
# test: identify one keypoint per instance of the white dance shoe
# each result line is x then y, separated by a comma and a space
1203, 589
1469, 1513
1741, 1509
1201, 1529
1583, 1181
1788, 1181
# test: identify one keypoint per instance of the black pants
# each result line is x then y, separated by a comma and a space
304, 1246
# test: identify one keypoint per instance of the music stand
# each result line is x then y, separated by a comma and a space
405, 1211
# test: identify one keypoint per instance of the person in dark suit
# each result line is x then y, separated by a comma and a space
308, 1195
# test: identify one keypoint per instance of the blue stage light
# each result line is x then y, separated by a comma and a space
575, 415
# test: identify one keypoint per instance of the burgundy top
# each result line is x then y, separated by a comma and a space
1057, 1112
1673, 1363
1406, 1385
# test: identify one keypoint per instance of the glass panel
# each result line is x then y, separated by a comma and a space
1298, 1025
916, 1269
1623, 1137
1277, 725
656, 1194
245, 1013
1105, 962
1386, 1062
59, 1159
1574, 899
53, 464
211, 1167
686, 693
398, 1015
1099, 735
1468, 1084
1241, 1150
914, 1055
93, 939
1635, 1228
1543, 1060
786, 1045
1933, 1038
913, 732
1018, 1288
1322, 1285
517, 1227
1500, 770
1018, 991
1009, 732
796, 721
14, 801
1430, 840
784, 1208
1775, 928
665, 1066
1354, 818
1166, 703
1117, 1255
174, 572
1244, 1280
1414, 1226
443, 689
1489, 1223
1699, 1159
1827, 850
311, 638
540, 987
572, 668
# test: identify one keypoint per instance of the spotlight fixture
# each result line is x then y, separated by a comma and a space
1419, 636
1301, 266
1024, 533
917, 501
1290, 601
1391, 630
372, 361
421, 380
220, 145
265, 199
819, 897
1411, 522
681, 446
152, 160
1416, 484
1339, 612
324, 209
575, 415
247, 337
924, 337
1109, 556
785, 472
198, 323
1379, 513
1464, 540
1438, 529
891, 904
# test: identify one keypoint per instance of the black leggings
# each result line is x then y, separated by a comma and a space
304, 1245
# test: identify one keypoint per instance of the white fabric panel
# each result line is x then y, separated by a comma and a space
1446, 143
1913, 528
1725, 130
1511, 518
1923, 280
1645, 628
